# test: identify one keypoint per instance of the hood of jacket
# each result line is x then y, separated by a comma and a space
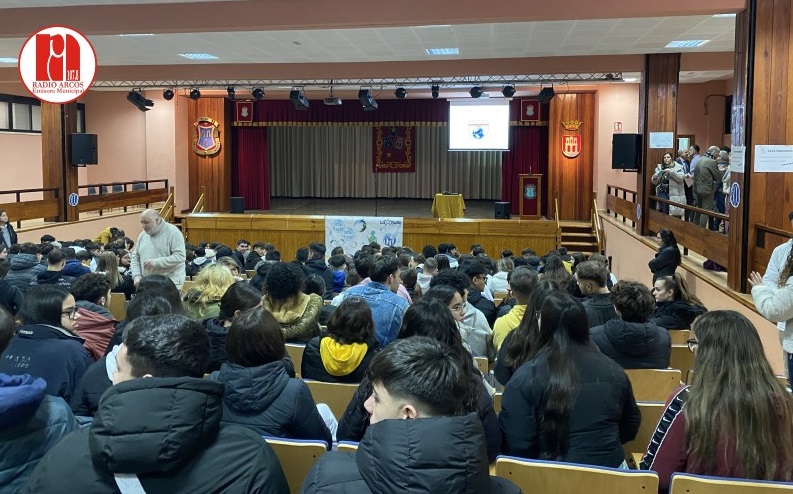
20, 397
23, 261
439, 454
49, 277
252, 389
679, 309
341, 360
95, 308
317, 265
289, 310
74, 268
154, 425
633, 338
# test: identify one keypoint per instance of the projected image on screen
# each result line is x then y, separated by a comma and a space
478, 125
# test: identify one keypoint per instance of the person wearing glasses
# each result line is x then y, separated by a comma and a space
477, 273
473, 325
741, 430
46, 344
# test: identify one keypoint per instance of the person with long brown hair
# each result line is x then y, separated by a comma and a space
675, 306
735, 420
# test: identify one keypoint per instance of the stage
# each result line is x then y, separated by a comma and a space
407, 208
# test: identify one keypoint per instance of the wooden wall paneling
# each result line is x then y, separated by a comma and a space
213, 172
661, 74
57, 123
571, 179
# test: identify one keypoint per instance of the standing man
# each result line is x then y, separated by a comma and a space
160, 250
706, 175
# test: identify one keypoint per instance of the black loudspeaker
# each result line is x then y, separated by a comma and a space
237, 205
83, 148
502, 210
545, 96
626, 151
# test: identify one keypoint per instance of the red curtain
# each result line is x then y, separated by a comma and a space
528, 154
251, 167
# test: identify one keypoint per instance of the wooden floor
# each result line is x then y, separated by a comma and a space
406, 208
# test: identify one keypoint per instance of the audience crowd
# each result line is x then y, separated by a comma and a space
175, 393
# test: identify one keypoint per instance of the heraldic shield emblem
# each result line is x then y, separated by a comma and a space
571, 145
530, 191
206, 139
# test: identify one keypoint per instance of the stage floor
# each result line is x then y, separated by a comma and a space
406, 208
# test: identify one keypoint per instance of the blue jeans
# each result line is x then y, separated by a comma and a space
789, 369
662, 206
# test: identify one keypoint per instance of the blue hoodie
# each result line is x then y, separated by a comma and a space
31, 423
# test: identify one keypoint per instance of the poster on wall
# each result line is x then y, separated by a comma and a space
353, 232
773, 158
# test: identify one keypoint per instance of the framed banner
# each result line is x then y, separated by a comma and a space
529, 110
393, 150
530, 196
353, 232
244, 111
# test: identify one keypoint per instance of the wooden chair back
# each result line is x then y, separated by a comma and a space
497, 401
337, 396
651, 415
297, 456
681, 358
653, 384
188, 284
118, 306
683, 483
348, 446
679, 336
482, 364
250, 272
295, 353
546, 476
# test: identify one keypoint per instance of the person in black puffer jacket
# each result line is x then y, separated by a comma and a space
24, 268
430, 318
668, 257
675, 306
316, 265
342, 355
633, 341
259, 393
239, 297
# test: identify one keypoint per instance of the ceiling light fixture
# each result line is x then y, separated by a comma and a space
546, 95
687, 43
400, 93
136, 98
231, 92
368, 102
167, 94
195, 94
436, 90
198, 56
298, 98
257, 93
476, 91
508, 91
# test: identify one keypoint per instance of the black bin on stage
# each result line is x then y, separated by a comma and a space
502, 211
237, 205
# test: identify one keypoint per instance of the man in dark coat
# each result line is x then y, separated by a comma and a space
707, 179
441, 451
24, 267
316, 265
161, 433
592, 278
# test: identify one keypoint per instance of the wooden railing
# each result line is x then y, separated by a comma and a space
597, 227
558, 223
621, 206
764, 245
167, 211
199, 205
99, 197
31, 209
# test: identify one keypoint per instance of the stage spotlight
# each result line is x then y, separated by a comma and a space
476, 91
167, 94
400, 93
545, 96
231, 92
298, 98
136, 98
367, 100
195, 94
436, 90
257, 93
508, 91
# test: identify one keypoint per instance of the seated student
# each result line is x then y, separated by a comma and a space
314, 283
31, 422
632, 340
56, 260
108, 235
429, 269
46, 345
555, 270
73, 266
568, 402
409, 278
477, 274
675, 306
92, 299
99, 375
474, 329
202, 300
255, 255
259, 393
107, 264
159, 427
238, 298
735, 420
296, 312
24, 267
592, 278
344, 353
430, 318
338, 264
517, 346
316, 265
11, 297
498, 283
443, 450
522, 281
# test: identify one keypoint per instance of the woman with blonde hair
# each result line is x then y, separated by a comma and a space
735, 420
202, 300
499, 283
107, 263
675, 306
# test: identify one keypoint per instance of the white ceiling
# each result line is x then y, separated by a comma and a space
400, 44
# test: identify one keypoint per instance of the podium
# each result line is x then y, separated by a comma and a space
530, 205
448, 206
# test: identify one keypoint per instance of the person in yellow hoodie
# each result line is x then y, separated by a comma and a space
296, 312
522, 281
343, 354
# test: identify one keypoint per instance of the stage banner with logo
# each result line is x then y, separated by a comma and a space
353, 232
393, 150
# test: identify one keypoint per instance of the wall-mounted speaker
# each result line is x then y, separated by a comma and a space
545, 96
83, 149
626, 152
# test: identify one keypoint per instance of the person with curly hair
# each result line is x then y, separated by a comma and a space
202, 300
296, 312
632, 340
